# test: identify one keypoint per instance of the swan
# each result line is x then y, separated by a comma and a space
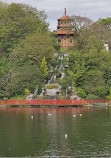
49, 114
32, 117
66, 136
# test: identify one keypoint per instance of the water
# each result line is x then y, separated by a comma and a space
44, 134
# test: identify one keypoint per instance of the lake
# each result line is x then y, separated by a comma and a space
55, 132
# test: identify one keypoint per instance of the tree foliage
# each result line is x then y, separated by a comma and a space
44, 68
27, 58
81, 93
100, 31
79, 23
106, 22
27, 48
27, 91
90, 68
4, 77
18, 21
24, 41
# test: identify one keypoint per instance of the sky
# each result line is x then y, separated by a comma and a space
93, 9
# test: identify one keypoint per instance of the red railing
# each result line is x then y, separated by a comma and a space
51, 102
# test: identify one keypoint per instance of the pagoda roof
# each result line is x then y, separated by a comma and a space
64, 32
65, 17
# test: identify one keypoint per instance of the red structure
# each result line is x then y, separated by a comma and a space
65, 35
64, 102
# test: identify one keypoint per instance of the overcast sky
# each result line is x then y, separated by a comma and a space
54, 9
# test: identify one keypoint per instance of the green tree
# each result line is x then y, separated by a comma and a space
65, 82
102, 32
93, 79
25, 76
109, 96
24, 41
90, 68
92, 97
102, 91
81, 93
27, 91
76, 68
26, 62
4, 77
44, 68
18, 21
32, 50
106, 22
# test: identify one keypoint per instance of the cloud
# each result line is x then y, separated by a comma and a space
93, 9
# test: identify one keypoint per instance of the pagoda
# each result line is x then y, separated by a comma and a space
65, 35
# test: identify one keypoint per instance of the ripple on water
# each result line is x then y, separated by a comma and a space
44, 136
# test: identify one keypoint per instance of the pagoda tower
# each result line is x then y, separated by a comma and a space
65, 35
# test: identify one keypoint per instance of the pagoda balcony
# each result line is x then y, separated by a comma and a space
64, 26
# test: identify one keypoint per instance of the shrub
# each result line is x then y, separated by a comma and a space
109, 96
81, 93
102, 91
92, 96
64, 82
51, 86
27, 91
19, 97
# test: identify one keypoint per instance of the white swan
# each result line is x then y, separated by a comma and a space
66, 136
49, 114
32, 117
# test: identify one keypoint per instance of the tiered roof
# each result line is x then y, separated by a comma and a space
64, 29
63, 32
65, 17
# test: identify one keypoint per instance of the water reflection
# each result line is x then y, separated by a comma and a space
44, 134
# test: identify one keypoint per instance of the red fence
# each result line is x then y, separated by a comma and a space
51, 102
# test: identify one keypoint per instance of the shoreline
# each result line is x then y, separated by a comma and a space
54, 103
54, 106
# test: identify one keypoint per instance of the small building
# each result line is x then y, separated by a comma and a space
65, 35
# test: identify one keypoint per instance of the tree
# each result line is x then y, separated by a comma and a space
24, 41
80, 92
65, 82
76, 68
32, 50
93, 79
4, 77
26, 61
25, 76
27, 91
96, 29
106, 22
109, 96
79, 23
90, 68
44, 68
18, 21
102, 91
